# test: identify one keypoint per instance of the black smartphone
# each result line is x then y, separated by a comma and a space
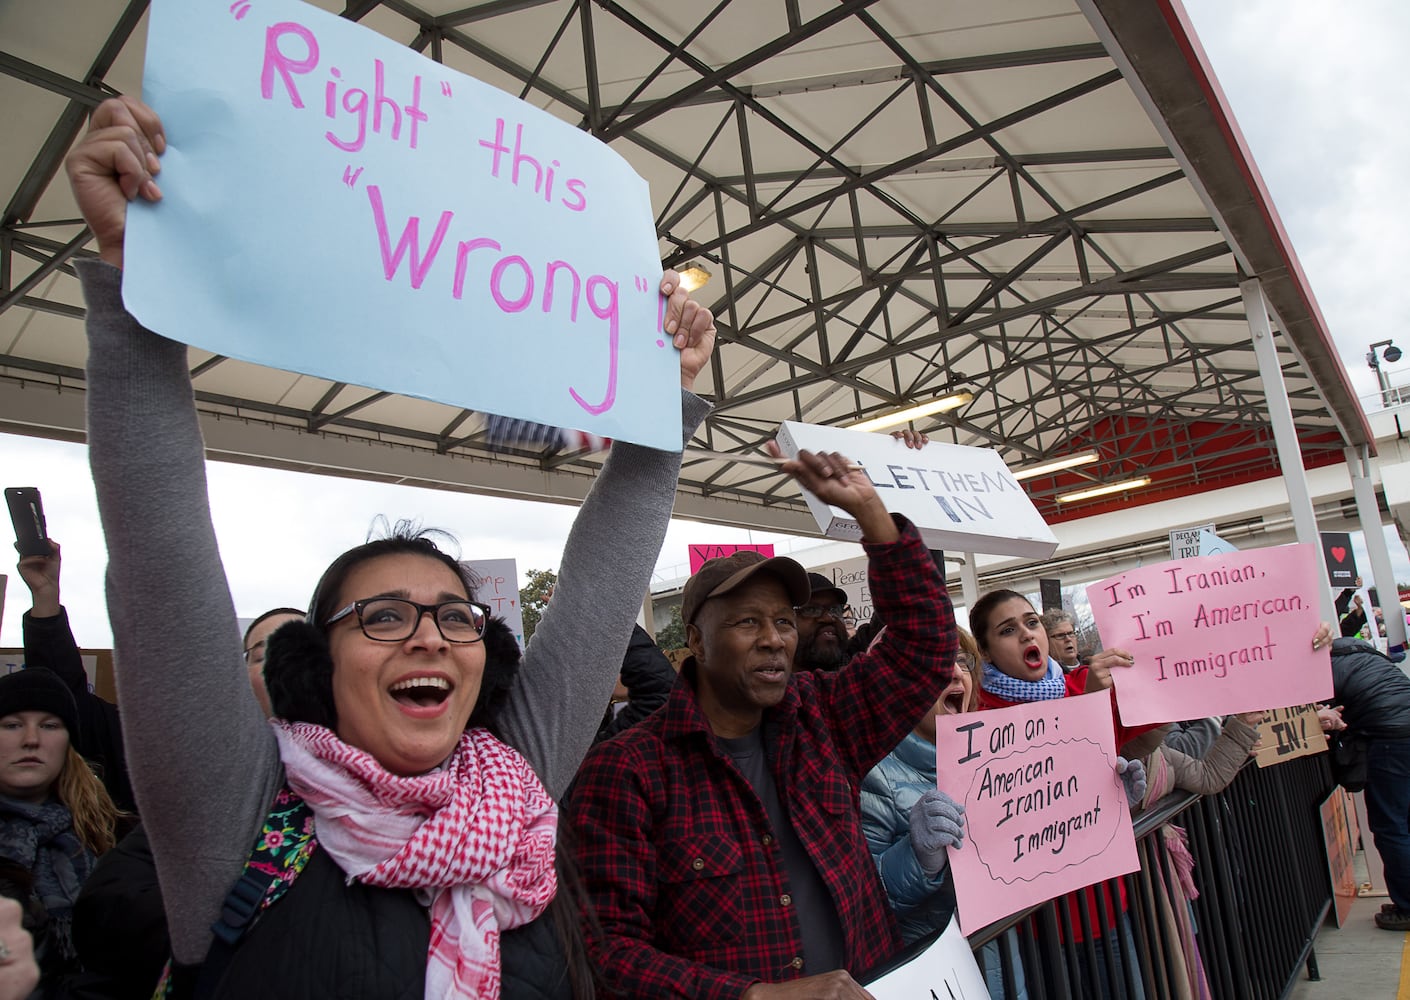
27, 515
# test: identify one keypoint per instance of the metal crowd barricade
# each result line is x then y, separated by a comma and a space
1263, 891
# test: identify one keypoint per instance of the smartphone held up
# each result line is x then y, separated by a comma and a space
27, 515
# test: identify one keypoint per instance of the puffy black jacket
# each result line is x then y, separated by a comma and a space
1373, 691
648, 677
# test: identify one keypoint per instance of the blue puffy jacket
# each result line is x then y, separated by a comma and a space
923, 903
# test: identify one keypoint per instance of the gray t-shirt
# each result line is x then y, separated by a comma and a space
824, 946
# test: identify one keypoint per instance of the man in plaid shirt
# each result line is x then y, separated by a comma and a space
720, 839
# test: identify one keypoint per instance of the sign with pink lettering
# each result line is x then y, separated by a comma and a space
1045, 812
1215, 634
497, 584
701, 554
339, 205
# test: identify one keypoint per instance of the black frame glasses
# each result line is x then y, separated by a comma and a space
384, 634
818, 610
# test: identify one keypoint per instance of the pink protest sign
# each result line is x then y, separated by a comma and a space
1215, 634
1045, 812
701, 554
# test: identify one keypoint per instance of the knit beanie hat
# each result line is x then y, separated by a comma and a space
37, 689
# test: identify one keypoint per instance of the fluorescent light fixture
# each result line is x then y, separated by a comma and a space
1057, 465
693, 275
914, 413
1101, 491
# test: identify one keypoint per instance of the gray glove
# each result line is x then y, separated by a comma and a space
1133, 777
937, 822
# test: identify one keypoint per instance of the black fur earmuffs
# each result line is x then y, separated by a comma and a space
298, 674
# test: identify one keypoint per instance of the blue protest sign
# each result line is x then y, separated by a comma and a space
339, 205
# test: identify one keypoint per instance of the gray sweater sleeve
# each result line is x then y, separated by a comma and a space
202, 759
572, 662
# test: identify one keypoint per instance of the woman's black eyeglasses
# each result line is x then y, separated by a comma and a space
391, 619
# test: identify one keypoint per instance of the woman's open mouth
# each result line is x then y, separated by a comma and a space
1033, 658
421, 695
954, 701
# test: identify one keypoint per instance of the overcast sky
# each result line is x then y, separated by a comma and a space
1319, 91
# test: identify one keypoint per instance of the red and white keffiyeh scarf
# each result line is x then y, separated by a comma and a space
475, 839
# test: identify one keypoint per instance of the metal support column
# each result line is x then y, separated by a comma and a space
969, 580
1284, 433
1358, 463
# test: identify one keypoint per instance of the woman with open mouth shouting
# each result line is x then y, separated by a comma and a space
393, 833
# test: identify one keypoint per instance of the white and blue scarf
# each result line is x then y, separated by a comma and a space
1053, 685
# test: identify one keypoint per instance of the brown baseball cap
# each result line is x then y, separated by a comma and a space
719, 576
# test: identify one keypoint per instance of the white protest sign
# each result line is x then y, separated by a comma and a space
962, 499
337, 204
1184, 542
499, 588
1211, 544
946, 970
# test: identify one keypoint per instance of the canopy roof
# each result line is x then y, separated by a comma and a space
1043, 203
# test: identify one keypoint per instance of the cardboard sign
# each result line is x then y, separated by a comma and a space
944, 970
1289, 733
1045, 812
1215, 634
499, 588
97, 665
1184, 542
339, 205
961, 499
1339, 559
1339, 835
701, 554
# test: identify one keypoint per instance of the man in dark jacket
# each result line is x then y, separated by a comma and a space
720, 840
645, 684
1374, 695
49, 642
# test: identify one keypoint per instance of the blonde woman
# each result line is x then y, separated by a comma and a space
56, 818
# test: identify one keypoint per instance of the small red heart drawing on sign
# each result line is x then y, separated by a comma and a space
1339, 554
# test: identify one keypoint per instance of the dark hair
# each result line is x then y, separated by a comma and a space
298, 669
984, 608
271, 613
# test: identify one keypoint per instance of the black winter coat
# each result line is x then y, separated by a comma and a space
323, 940
1373, 691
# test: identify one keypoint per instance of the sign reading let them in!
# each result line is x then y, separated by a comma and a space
1215, 634
339, 205
962, 499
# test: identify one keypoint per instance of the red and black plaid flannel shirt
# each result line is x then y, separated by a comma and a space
676, 849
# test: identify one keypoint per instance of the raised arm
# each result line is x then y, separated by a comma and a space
202, 759
572, 662
48, 639
1212, 773
873, 701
